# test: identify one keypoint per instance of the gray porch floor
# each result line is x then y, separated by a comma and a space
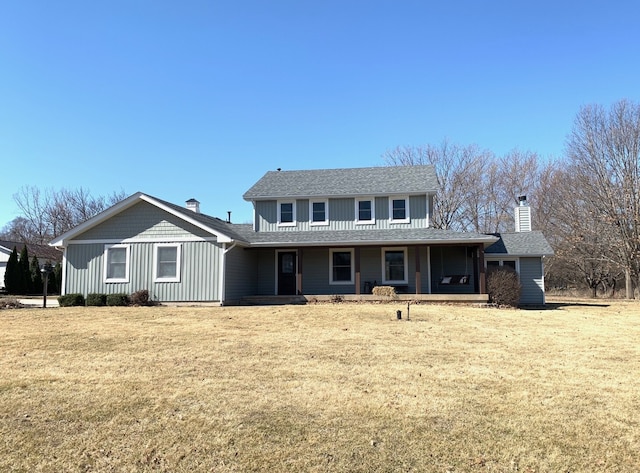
304, 299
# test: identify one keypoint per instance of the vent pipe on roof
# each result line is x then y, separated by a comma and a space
193, 205
228, 216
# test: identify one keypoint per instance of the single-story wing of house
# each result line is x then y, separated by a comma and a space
315, 233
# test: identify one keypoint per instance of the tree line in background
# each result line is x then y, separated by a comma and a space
587, 203
23, 276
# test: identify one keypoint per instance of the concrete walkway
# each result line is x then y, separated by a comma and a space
52, 301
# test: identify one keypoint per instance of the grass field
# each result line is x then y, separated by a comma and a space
343, 387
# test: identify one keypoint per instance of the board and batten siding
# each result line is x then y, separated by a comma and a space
342, 215
199, 271
532, 281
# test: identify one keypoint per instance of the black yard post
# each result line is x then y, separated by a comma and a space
46, 270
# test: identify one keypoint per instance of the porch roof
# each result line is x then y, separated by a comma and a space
400, 236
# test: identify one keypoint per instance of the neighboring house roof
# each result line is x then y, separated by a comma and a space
387, 180
361, 237
222, 230
520, 244
42, 252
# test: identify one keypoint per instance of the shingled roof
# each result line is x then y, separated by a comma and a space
387, 180
520, 244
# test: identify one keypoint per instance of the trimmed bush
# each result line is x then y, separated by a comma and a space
70, 300
97, 300
117, 300
503, 286
140, 298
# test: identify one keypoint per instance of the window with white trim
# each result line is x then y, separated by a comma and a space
116, 263
319, 212
287, 213
341, 268
365, 211
399, 209
167, 262
394, 266
495, 263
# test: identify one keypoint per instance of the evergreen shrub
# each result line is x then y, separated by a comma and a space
96, 300
119, 299
70, 300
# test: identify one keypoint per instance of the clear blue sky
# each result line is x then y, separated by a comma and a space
183, 99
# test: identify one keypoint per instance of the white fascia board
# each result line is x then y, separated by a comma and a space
62, 240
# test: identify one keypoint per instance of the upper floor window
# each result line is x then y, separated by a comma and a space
167, 263
287, 213
116, 263
365, 211
319, 211
399, 209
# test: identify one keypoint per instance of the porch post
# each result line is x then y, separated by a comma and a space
481, 270
357, 268
418, 273
299, 271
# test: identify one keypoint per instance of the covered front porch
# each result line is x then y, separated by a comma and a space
436, 272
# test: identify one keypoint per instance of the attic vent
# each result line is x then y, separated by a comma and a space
193, 205
523, 215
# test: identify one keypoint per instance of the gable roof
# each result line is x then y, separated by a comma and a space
216, 227
520, 244
382, 180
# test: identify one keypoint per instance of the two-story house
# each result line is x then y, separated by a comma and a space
315, 233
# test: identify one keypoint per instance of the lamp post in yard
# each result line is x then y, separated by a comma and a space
46, 270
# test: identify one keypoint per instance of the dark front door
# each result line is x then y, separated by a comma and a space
286, 273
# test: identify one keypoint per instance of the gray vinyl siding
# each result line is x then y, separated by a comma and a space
199, 272
241, 277
143, 220
532, 281
342, 215
266, 272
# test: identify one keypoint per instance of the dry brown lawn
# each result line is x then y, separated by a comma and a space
343, 387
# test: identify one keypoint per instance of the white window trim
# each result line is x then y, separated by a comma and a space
407, 218
126, 267
287, 224
353, 269
501, 262
373, 211
406, 265
326, 212
178, 247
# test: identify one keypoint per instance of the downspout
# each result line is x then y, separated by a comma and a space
221, 288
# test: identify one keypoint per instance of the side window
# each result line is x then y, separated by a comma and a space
116, 263
167, 263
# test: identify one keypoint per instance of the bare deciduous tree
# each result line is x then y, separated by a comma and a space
604, 153
48, 213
